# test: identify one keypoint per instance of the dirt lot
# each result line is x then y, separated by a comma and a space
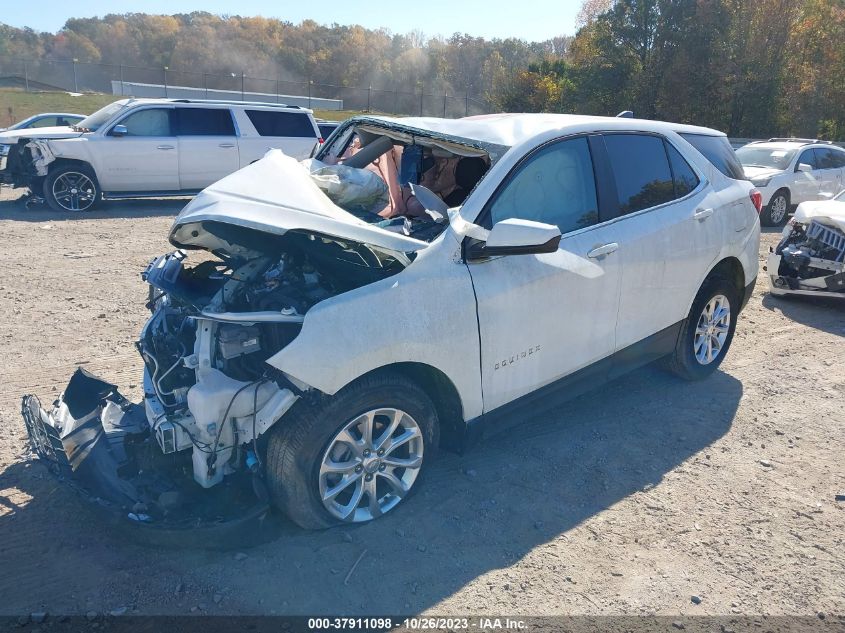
629, 500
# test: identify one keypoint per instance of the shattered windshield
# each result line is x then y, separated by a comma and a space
95, 121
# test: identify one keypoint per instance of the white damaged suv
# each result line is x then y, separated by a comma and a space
327, 344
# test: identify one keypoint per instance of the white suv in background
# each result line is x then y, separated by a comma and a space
156, 147
789, 171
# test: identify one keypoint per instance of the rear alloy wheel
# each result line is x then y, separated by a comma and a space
71, 189
776, 211
707, 331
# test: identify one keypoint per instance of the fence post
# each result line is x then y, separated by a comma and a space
165, 82
466, 104
422, 94
277, 88
205, 83
395, 99
445, 98
122, 90
243, 98
25, 77
75, 83
310, 83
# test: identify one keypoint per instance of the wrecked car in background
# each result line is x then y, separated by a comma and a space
342, 318
810, 258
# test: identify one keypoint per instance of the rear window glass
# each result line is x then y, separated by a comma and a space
718, 151
269, 123
326, 129
685, 178
641, 171
204, 122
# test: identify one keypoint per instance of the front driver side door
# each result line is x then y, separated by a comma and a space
542, 317
807, 183
145, 159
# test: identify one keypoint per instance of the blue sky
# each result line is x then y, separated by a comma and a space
535, 20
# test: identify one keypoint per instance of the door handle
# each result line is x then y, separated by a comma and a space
227, 144
165, 147
702, 214
600, 251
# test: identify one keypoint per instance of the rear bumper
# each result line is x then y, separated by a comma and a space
100, 445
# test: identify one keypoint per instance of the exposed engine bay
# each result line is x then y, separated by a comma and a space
810, 258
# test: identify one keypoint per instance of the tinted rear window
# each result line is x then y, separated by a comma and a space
326, 129
204, 122
641, 171
269, 123
718, 151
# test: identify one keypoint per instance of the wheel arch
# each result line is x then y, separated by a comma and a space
72, 162
443, 393
732, 269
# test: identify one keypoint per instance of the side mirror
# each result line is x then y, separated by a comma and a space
514, 237
119, 130
804, 167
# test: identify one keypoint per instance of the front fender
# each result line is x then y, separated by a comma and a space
425, 314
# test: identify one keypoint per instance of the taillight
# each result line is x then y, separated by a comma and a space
757, 200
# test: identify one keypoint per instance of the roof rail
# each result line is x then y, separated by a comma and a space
793, 139
234, 102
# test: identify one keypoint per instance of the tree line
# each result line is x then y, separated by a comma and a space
748, 67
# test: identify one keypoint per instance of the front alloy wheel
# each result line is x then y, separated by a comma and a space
71, 189
370, 465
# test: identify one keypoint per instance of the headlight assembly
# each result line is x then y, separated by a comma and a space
4, 150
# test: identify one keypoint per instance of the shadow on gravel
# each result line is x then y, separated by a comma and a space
822, 313
15, 210
520, 489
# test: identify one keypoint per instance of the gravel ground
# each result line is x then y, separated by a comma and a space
629, 500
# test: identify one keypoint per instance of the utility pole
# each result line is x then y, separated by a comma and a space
369, 98
310, 84
445, 98
422, 94
165, 82
122, 91
242, 86
25, 77
205, 83
75, 83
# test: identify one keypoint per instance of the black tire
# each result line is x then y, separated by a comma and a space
88, 195
683, 361
297, 444
776, 212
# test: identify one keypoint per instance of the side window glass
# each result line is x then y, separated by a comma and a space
204, 122
807, 157
826, 159
838, 157
150, 122
641, 171
555, 185
685, 178
270, 123
48, 121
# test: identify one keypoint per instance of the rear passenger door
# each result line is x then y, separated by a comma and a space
262, 130
208, 146
669, 228
830, 163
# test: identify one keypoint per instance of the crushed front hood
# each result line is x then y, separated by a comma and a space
275, 195
830, 212
11, 136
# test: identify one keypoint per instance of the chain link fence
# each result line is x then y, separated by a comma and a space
41, 75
